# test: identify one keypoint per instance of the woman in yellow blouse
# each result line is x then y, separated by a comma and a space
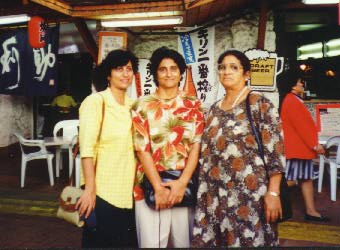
108, 162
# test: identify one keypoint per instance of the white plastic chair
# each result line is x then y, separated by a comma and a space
77, 164
77, 170
41, 154
334, 164
69, 129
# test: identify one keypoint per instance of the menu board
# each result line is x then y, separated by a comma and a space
109, 41
328, 118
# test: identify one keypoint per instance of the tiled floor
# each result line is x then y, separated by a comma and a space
27, 215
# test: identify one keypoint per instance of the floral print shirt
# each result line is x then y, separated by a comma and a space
166, 128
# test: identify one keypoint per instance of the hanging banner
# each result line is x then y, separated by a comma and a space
25, 70
41, 67
12, 50
198, 50
146, 79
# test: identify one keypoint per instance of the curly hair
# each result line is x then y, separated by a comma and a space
244, 60
164, 52
115, 59
286, 81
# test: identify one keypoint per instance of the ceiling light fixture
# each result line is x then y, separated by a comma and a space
14, 19
142, 15
320, 1
170, 20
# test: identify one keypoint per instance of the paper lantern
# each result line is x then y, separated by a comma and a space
37, 30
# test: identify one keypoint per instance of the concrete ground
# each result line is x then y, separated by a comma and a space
27, 215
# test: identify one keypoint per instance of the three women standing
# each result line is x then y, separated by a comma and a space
238, 205
238, 198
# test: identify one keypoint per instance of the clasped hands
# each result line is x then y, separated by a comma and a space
169, 194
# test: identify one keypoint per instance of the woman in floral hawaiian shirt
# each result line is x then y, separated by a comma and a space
237, 206
167, 132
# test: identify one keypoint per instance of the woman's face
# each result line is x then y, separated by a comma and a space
121, 77
231, 73
168, 74
299, 88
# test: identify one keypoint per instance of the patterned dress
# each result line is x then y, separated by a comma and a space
233, 180
166, 128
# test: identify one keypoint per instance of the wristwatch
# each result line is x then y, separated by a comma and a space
273, 193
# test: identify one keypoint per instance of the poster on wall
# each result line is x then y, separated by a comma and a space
265, 66
25, 70
109, 41
328, 119
197, 49
142, 83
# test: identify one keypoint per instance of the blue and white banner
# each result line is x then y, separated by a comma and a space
28, 71
188, 50
198, 51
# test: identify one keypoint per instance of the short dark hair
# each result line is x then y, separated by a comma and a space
164, 52
288, 79
244, 60
113, 60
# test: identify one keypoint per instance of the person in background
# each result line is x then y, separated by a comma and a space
64, 102
167, 131
238, 201
108, 161
300, 140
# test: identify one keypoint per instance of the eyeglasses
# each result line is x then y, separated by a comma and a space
233, 67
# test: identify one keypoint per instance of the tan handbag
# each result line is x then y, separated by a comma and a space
67, 202
70, 194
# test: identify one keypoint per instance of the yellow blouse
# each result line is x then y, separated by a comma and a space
115, 168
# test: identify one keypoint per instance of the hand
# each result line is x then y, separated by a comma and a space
161, 198
177, 190
319, 149
86, 202
272, 208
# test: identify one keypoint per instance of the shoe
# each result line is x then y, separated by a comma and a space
316, 218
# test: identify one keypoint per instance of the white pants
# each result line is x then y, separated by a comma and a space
154, 227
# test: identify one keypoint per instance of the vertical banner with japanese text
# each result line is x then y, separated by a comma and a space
25, 70
198, 51
146, 79
42, 65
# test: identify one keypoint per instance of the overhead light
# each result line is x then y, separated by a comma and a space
320, 1
143, 15
310, 47
310, 55
14, 19
333, 43
170, 20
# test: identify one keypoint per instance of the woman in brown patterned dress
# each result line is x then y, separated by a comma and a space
237, 205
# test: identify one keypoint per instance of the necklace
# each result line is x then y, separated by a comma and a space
239, 96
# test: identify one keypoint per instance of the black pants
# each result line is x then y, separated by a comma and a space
115, 227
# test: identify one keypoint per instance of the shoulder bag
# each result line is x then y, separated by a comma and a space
71, 194
286, 205
190, 195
